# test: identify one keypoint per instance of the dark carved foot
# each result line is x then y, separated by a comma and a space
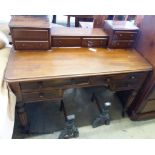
104, 116
70, 130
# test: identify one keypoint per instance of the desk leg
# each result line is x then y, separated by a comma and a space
131, 98
22, 115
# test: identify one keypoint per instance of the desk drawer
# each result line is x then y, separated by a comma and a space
119, 81
122, 44
31, 45
55, 83
94, 42
47, 84
42, 95
66, 41
124, 35
30, 34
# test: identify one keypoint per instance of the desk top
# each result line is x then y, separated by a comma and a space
71, 62
74, 31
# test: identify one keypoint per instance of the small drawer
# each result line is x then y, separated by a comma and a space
94, 42
124, 35
149, 106
122, 44
42, 95
30, 34
31, 45
127, 81
66, 42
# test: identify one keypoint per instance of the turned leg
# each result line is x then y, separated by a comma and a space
22, 115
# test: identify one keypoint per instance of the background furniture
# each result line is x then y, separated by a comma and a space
144, 106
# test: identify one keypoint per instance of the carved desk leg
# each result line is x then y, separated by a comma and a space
104, 117
70, 130
22, 117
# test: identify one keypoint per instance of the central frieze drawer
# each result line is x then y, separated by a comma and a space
66, 41
30, 34
42, 95
94, 42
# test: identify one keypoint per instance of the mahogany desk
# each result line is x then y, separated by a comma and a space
44, 75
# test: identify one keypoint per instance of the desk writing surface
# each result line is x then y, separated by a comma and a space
71, 62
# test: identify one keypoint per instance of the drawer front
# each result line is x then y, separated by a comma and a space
42, 95
31, 45
120, 81
94, 42
55, 83
47, 84
149, 106
124, 35
122, 44
152, 93
66, 42
30, 34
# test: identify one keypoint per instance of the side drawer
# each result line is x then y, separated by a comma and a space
124, 35
120, 81
31, 45
42, 95
122, 44
94, 42
149, 106
47, 84
30, 34
66, 41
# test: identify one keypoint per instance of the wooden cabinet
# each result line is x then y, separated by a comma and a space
144, 105
30, 32
122, 34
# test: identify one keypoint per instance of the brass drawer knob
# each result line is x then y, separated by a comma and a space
120, 35
132, 77
41, 95
107, 80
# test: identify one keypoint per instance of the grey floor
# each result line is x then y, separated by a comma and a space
78, 102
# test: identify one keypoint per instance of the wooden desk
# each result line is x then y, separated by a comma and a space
44, 75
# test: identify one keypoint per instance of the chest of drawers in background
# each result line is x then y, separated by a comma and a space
30, 32
122, 34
